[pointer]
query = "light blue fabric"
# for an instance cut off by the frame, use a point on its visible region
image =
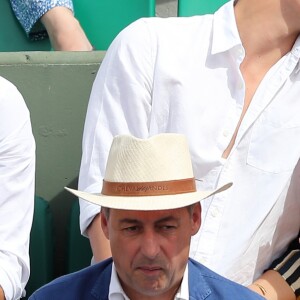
(28, 12)
(93, 283)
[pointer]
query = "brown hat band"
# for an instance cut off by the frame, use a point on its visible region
(153, 188)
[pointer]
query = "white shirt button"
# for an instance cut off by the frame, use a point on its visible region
(226, 133)
(203, 260)
(215, 212)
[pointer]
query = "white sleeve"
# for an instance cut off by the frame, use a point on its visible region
(120, 103)
(17, 173)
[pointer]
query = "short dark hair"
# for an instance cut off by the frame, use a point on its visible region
(105, 211)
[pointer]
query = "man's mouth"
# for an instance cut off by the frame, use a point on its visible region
(150, 270)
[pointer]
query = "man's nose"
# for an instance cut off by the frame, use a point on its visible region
(150, 244)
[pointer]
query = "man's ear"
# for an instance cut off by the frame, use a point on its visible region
(196, 218)
(104, 225)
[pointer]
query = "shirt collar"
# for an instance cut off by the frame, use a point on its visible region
(296, 52)
(183, 292)
(116, 291)
(226, 35)
(225, 32)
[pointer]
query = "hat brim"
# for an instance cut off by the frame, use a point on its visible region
(162, 202)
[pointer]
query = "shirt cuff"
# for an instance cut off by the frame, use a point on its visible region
(8, 287)
(88, 211)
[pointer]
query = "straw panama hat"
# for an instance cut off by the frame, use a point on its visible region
(148, 174)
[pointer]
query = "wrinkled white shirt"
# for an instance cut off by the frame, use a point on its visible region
(116, 291)
(183, 75)
(17, 173)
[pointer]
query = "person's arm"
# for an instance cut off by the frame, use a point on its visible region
(272, 286)
(55, 19)
(1, 294)
(17, 174)
(64, 30)
(99, 243)
(282, 280)
(120, 103)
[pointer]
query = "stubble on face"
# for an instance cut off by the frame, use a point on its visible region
(157, 272)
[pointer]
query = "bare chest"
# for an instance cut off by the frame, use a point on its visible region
(252, 80)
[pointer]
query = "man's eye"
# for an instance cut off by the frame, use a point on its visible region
(168, 227)
(131, 229)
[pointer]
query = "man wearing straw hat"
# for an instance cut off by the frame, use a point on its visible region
(151, 210)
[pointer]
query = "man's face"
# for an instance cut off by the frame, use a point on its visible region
(150, 248)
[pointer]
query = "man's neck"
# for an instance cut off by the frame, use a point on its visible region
(266, 27)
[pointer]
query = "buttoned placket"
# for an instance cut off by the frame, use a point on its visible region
(263, 96)
(215, 205)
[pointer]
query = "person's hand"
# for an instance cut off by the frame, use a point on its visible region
(64, 30)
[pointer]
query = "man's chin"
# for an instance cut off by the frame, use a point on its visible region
(151, 282)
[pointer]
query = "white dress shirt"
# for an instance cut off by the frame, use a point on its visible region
(183, 75)
(116, 291)
(17, 173)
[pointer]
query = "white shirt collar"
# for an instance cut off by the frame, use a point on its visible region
(116, 291)
(225, 32)
(296, 52)
(183, 292)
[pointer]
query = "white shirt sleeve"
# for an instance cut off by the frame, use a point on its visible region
(120, 103)
(17, 173)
